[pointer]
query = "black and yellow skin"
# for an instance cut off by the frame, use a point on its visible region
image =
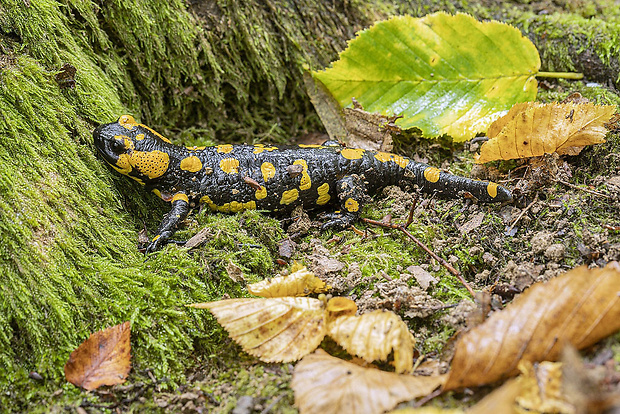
(231, 178)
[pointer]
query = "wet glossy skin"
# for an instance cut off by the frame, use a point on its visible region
(231, 178)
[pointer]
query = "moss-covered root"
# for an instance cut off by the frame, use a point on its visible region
(573, 43)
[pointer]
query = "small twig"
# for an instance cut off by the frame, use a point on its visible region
(582, 189)
(443, 262)
(525, 210)
(426, 399)
(411, 211)
(270, 406)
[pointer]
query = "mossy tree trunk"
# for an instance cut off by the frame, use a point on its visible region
(206, 71)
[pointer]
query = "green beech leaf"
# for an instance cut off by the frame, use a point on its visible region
(445, 74)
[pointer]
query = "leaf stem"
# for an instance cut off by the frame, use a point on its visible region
(562, 75)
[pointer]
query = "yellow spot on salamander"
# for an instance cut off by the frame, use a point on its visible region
(230, 165)
(324, 196)
(258, 148)
(123, 164)
(195, 148)
(304, 183)
(431, 174)
(179, 196)
(153, 164)
(289, 196)
(492, 189)
(260, 194)
(352, 153)
(156, 237)
(386, 156)
(351, 205)
(310, 146)
(157, 193)
(139, 137)
(224, 149)
(232, 207)
(191, 164)
(127, 121)
(268, 170)
(383, 156)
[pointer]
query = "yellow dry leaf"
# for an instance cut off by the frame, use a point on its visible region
(531, 129)
(373, 336)
(275, 329)
(299, 283)
(541, 388)
(339, 306)
(324, 384)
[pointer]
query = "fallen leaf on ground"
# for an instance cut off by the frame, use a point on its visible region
(501, 400)
(103, 359)
(324, 384)
(531, 129)
(580, 307)
(274, 329)
(338, 307)
(541, 388)
(373, 336)
(299, 283)
(444, 74)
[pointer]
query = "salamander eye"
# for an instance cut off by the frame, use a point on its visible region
(117, 146)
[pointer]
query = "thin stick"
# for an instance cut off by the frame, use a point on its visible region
(443, 262)
(582, 189)
(525, 210)
(563, 75)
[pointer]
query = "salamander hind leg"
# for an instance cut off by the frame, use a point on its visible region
(351, 193)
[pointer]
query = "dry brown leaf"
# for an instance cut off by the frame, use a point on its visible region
(580, 307)
(103, 359)
(373, 336)
(299, 283)
(275, 329)
(324, 384)
(500, 401)
(531, 129)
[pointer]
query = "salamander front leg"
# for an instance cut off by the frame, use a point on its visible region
(351, 193)
(180, 208)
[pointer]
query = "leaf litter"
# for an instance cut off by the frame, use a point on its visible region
(102, 359)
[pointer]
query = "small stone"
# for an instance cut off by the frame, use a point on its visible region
(244, 405)
(488, 258)
(541, 241)
(555, 252)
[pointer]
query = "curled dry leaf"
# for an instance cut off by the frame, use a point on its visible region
(373, 336)
(103, 359)
(580, 307)
(531, 129)
(324, 384)
(275, 329)
(339, 306)
(541, 388)
(299, 283)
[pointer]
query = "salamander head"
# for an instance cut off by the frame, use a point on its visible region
(133, 149)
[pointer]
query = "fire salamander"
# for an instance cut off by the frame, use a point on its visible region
(231, 178)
